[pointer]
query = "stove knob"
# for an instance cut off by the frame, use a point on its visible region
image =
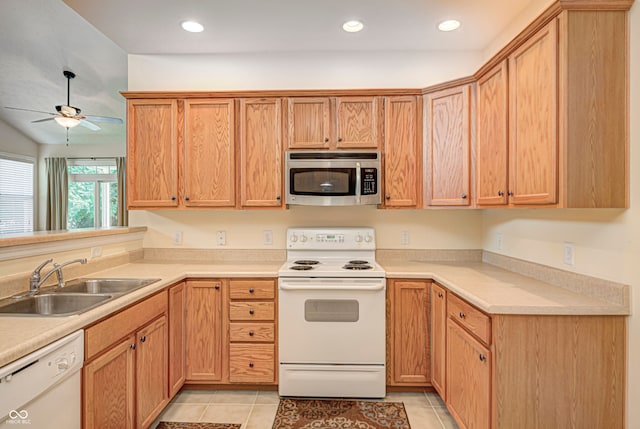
(358, 238)
(294, 238)
(303, 239)
(368, 238)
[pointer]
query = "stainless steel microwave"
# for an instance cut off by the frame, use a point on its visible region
(333, 178)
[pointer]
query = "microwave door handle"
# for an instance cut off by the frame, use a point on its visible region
(358, 179)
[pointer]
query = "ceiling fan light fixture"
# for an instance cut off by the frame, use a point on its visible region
(449, 25)
(67, 122)
(192, 26)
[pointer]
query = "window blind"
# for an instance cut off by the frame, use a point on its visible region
(16, 196)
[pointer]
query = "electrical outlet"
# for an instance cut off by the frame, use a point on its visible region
(267, 235)
(499, 241)
(569, 257)
(96, 252)
(221, 238)
(177, 238)
(404, 237)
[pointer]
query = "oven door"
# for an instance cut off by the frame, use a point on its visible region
(331, 321)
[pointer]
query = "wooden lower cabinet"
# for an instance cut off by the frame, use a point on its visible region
(408, 332)
(438, 338)
(126, 371)
(251, 363)
(177, 337)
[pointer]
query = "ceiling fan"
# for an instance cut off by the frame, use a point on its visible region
(69, 116)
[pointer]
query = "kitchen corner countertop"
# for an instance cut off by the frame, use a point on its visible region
(492, 289)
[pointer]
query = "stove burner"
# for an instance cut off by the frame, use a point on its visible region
(306, 262)
(358, 262)
(301, 267)
(352, 266)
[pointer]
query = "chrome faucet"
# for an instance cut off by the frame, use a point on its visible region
(35, 281)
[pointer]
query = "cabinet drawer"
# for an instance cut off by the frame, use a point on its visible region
(251, 310)
(472, 319)
(103, 334)
(252, 363)
(252, 332)
(252, 289)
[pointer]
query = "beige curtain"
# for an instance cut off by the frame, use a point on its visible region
(123, 214)
(57, 193)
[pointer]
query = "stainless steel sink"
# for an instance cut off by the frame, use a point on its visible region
(53, 304)
(106, 285)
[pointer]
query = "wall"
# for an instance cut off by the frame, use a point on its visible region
(607, 242)
(14, 142)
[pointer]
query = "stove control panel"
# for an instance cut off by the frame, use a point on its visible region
(331, 238)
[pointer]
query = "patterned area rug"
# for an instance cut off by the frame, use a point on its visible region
(339, 414)
(178, 425)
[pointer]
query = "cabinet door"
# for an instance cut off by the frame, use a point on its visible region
(533, 140)
(151, 371)
(409, 323)
(309, 123)
(492, 139)
(261, 152)
(402, 155)
(204, 330)
(438, 339)
(448, 146)
(177, 343)
(209, 153)
(152, 149)
(468, 379)
(357, 122)
(109, 388)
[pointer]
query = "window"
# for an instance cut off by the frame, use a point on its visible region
(93, 193)
(16, 194)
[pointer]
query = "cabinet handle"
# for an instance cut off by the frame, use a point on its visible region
(387, 197)
(500, 193)
(217, 286)
(132, 346)
(250, 290)
(251, 333)
(251, 311)
(482, 358)
(143, 338)
(463, 196)
(326, 139)
(462, 315)
(440, 295)
(250, 364)
(339, 139)
(186, 198)
(173, 197)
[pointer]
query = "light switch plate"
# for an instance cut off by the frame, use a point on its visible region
(569, 257)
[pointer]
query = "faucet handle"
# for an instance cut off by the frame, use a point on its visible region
(41, 266)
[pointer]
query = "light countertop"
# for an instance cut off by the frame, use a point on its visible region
(491, 289)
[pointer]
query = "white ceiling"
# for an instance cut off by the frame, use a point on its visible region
(40, 38)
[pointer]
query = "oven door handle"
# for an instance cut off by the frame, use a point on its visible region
(358, 180)
(372, 287)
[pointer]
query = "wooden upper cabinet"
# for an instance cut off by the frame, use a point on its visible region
(533, 88)
(448, 142)
(491, 137)
(309, 123)
(357, 121)
(152, 162)
(261, 152)
(402, 152)
(209, 153)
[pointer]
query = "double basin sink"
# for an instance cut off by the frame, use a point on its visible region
(76, 297)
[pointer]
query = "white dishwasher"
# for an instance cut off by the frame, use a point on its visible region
(42, 390)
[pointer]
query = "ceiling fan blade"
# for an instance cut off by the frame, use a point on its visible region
(104, 119)
(42, 120)
(89, 125)
(29, 110)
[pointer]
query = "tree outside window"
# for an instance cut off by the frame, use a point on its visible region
(93, 193)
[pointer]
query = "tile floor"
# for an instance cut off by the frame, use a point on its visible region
(256, 410)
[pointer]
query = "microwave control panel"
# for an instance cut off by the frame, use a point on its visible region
(369, 178)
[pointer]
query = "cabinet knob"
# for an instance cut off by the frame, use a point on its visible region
(440, 295)
(132, 346)
(217, 286)
(251, 311)
(250, 364)
(143, 338)
(482, 358)
(251, 333)
(339, 139)
(500, 193)
(510, 193)
(326, 139)
(173, 197)
(462, 315)
(251, 290)
(463, 196)
(186, 198)
(387, 197)
(278, 197)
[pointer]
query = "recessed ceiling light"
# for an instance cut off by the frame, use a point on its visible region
(352, 26)
(449, 25)
(192, 26)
